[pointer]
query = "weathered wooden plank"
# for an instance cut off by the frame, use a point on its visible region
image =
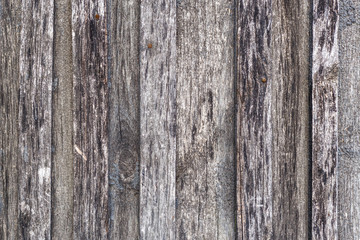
(205, 168)
(36, 75)
(272, 119)
(124, 133)
(10, 16)
(90, 119)
(349, 125)
(158, 119)
(324, 119)
(62, 125)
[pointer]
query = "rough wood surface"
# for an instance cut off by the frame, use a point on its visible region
(36, 75)
(324, 119)
(124, 112)
(349, 121)
(62, 126)
(205, 168)
(10, 16)
(90, 119)
(272, 119)
(158, 119)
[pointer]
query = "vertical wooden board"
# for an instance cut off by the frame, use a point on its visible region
(254, 127)
(324, 119)
(124, 130)
(90, 119)
(10, 17)
(62, 125)
(290, 118)
(158, 119)
(349, 120)
(36, 75)
(205, 168)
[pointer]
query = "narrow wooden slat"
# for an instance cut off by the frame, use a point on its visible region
(10, 16)
(349, 121)
(324, 119)
(158, 119)
(62, 125)
(205, 168)
(36, 75)
(124, 130)
(90, 119)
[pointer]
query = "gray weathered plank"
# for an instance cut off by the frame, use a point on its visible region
(62, 125)
(272, 119)
(158, 119)
(90, 119)
(124, 130)
(324, 119)
(349, 121)
(36, 75)
(205, 168)
(10, 16)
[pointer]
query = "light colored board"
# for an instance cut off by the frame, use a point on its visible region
(36, 75)
(158, 119)
(324, 119)
(349, 117)
(62, 125)
(205, 168)
(89, 41)
(10, 16)
(124, 130)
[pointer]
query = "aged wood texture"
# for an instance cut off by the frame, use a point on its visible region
(90, 119)
(158, 119)
(62, 125)
(10, 16)
(124, 112)
(272, 119)
(324, 119)
(205, 168)
(349, 121)
(36, 75)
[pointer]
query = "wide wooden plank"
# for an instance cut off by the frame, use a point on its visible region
(205, 168)
(90, 119)
(10, 17)
(62, 125)
(158, 119)
(349, 121)
(272, 119)
(324, 119)
(36, 75)
(124, 113)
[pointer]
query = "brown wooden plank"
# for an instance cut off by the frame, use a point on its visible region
(158, 119)
(10, 16)
(90, 119)
(348, 117)
(272, 119)
(36, 75)
(124, 113)
(62, 125)
(324, 119)
(205, 168)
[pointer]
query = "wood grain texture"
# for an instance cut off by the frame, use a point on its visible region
(124, 112)
(349, 117)
(10, 16)
(272, 119)
(205, 168)
(158, 119)
(36, 75)
(324, 119)
(62, 125)
(90, 119)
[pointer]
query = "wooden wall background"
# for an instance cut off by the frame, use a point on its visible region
(211, 119)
